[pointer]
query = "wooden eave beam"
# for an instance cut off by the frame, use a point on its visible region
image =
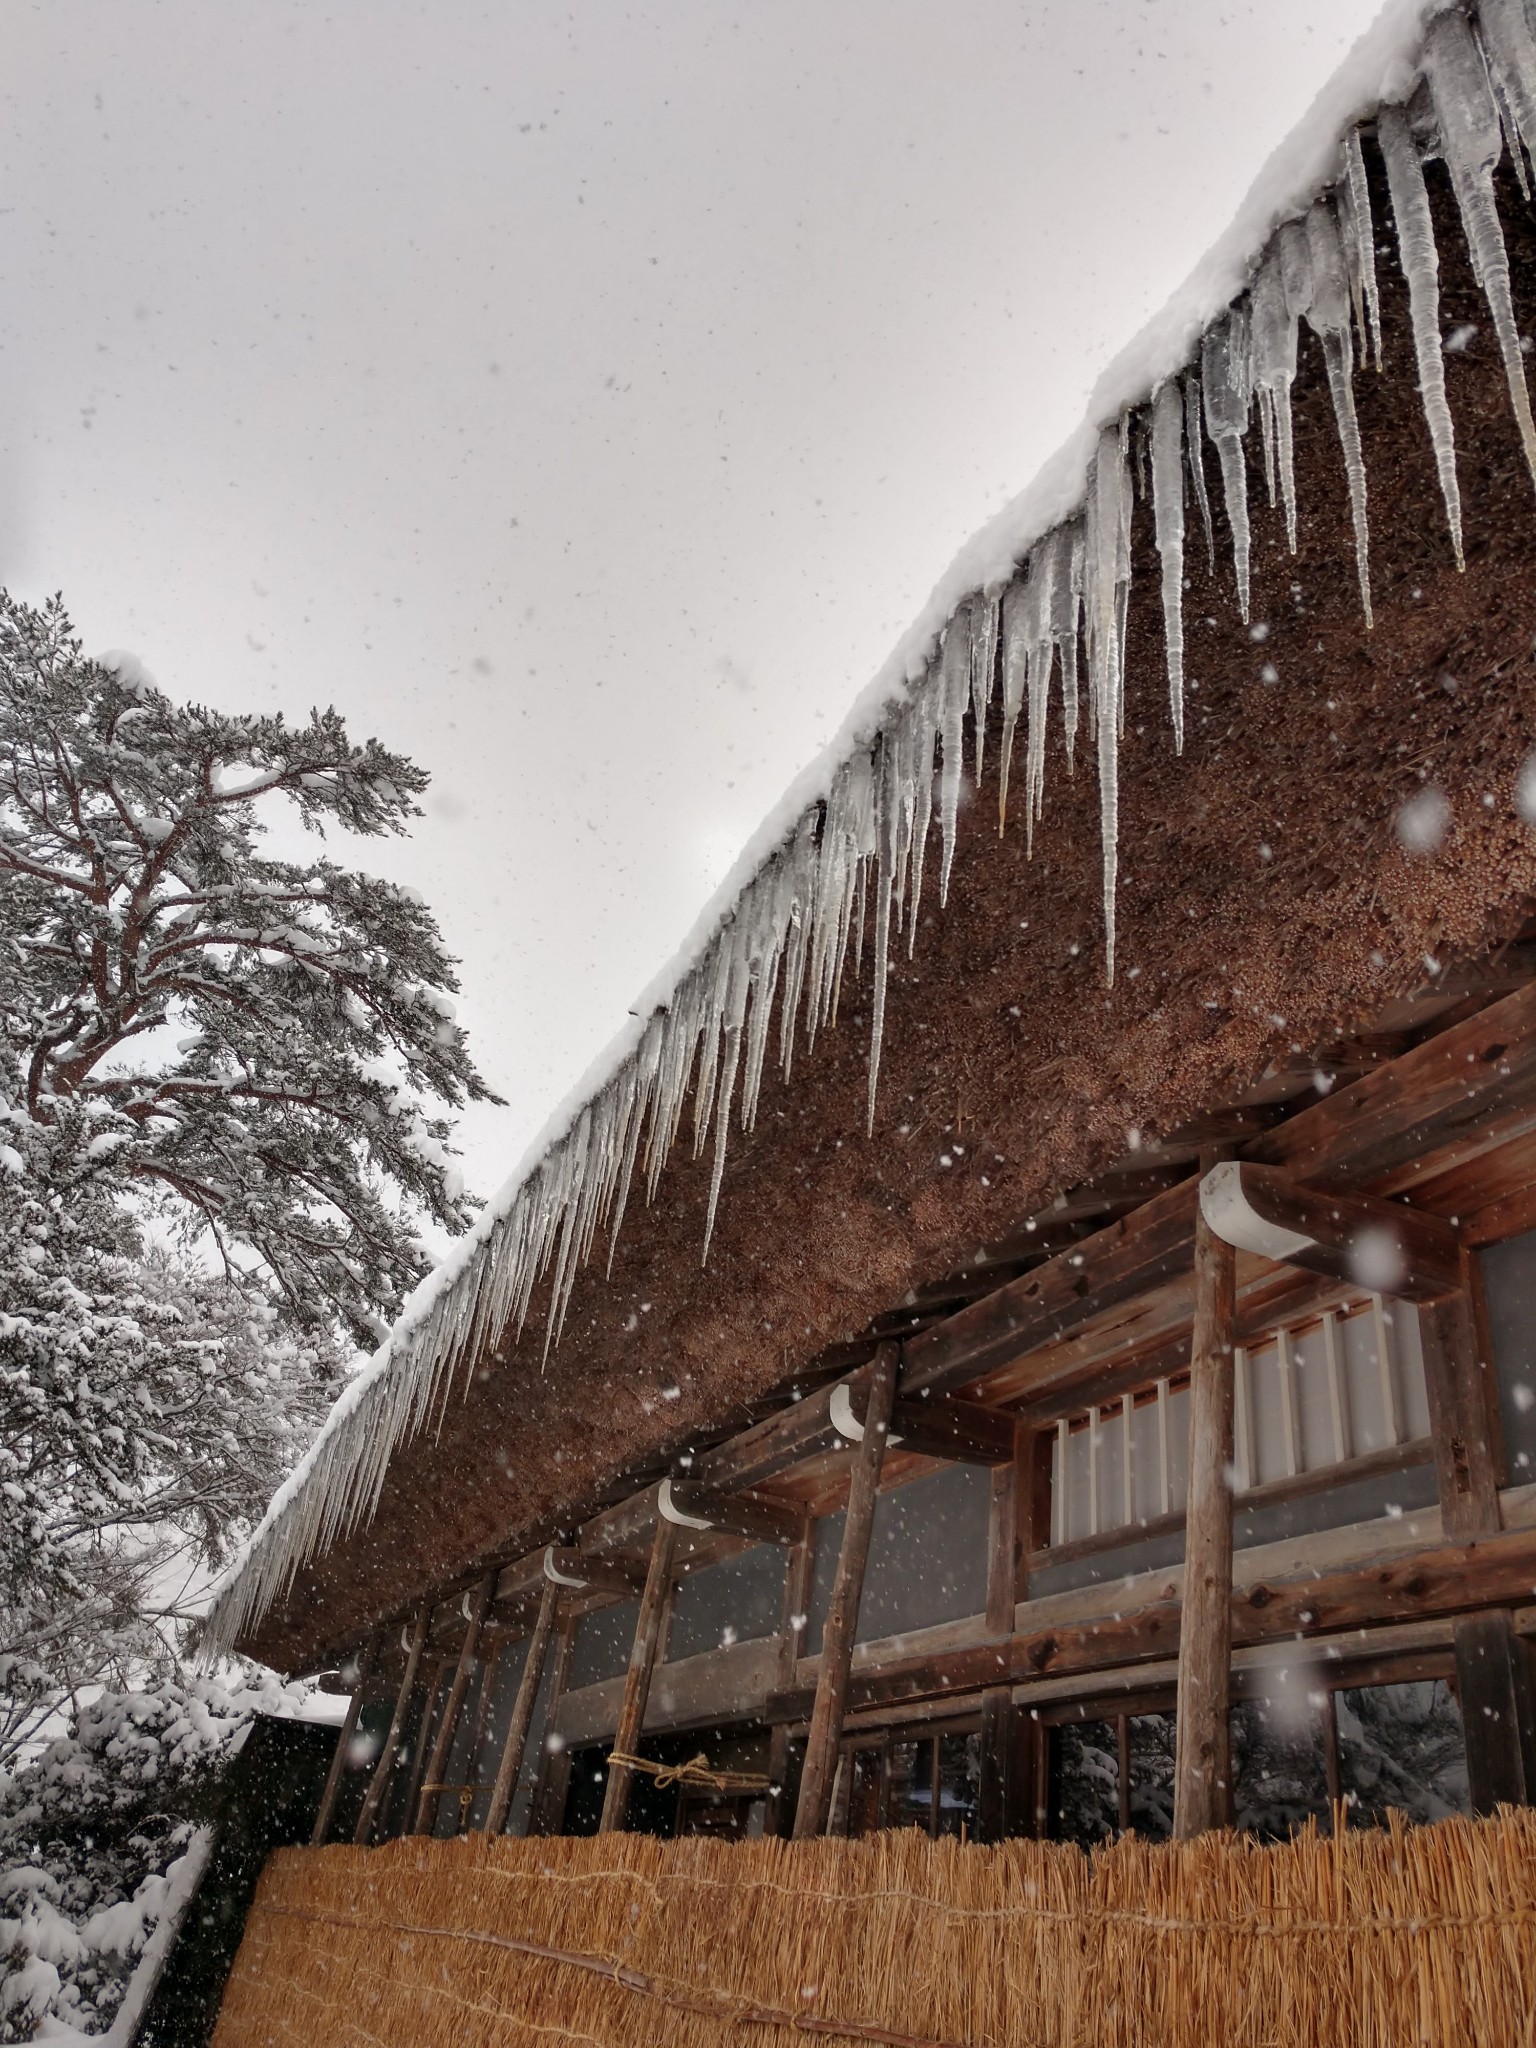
(944, 1426)
(1262, 1210)
(1113, 1266)
(741, 1514)
(580, 1571)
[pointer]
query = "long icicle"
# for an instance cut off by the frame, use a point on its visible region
(1363, 241)
(1421, 267)
(1224, 381)
(1168, 516)
(1473, 142)
(1328, 314)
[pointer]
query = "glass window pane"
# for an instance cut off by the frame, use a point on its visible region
(1152, 1749)
(927, 1553)
(503, 1674)
(864, 1792)
(959, 1784)
(738, 1600)
(1509, 1282)
(604, 1639)
(1401, 1746)
(911, 1788)
(1279, 1765)
(1085, 1778)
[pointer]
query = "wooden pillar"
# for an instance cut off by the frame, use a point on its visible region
(546, 1809)
(512, 1749)
(453, 1706)
(1017, 1512)
(1201, 1768)
(429, 1718)
(655, 1605)
(378, 1784)
(1493, 1681)
(345, 1733)
(798, 1577)
(1458, 1381)
(843, 1615)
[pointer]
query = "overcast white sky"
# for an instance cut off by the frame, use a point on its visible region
(581, 398)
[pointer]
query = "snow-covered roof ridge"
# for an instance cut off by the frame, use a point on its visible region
(1039, 593)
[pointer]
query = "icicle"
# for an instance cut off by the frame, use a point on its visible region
(1362, 244)
(1511, 47)
(1106, 572)
(1193, 439)
(1224, 379)
(1280, 293)
(887, 853)
(1065, 629)
(1328, 316)
(924, 733)
(1015, 633)
(1421, 267)
(984, 612)
(955, 682)
(1472, 141)
(1168, 514)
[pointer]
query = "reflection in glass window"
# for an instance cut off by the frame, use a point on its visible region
(1401, 1746)
(1086, 1782)
(959, 1785)
(911, 1785)
(1279, 1763)
(1151, 1784)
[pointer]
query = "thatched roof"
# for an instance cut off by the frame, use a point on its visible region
(1264, 902)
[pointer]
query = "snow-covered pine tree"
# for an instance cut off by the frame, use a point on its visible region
(224, 1079)
(256, 1040)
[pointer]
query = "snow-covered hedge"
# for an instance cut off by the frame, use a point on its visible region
(91, 1836)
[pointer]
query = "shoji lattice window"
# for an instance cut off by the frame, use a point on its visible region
(1341, 1387)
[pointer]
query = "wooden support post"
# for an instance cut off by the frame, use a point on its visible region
(378, 1784)
(1493, 1679)
(546, 1809)
(801, 1566)
(429, 1718)
(1201, 1768)
(1458, 1381)
(655, 1606)
(512, 1749)
(442, 1743)
(843, 1615)
(1020, 1509)
(344, 1735)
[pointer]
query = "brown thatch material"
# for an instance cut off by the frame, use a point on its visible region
(1380, 1937)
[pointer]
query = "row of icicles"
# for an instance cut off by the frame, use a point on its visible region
(807, 910)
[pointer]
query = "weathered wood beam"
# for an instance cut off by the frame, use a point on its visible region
(770, 1447)
(944, 1426)
(798, 1577)
(551, 1787)
(1445, 1580)
(378, 1784)
(1493, 1682)
(579, 1571)
(742, 1514)
(1202, 1774)
(1113, 1266)
(509, 1768)
(344, 1735)
(1459, 1382)
(425, 1818)
(1389, 1120)
(1020, 1506)
(1384, 1246)
(842, 1621)
(655, 1603)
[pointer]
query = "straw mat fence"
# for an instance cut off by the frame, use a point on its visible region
(1376, 1939)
